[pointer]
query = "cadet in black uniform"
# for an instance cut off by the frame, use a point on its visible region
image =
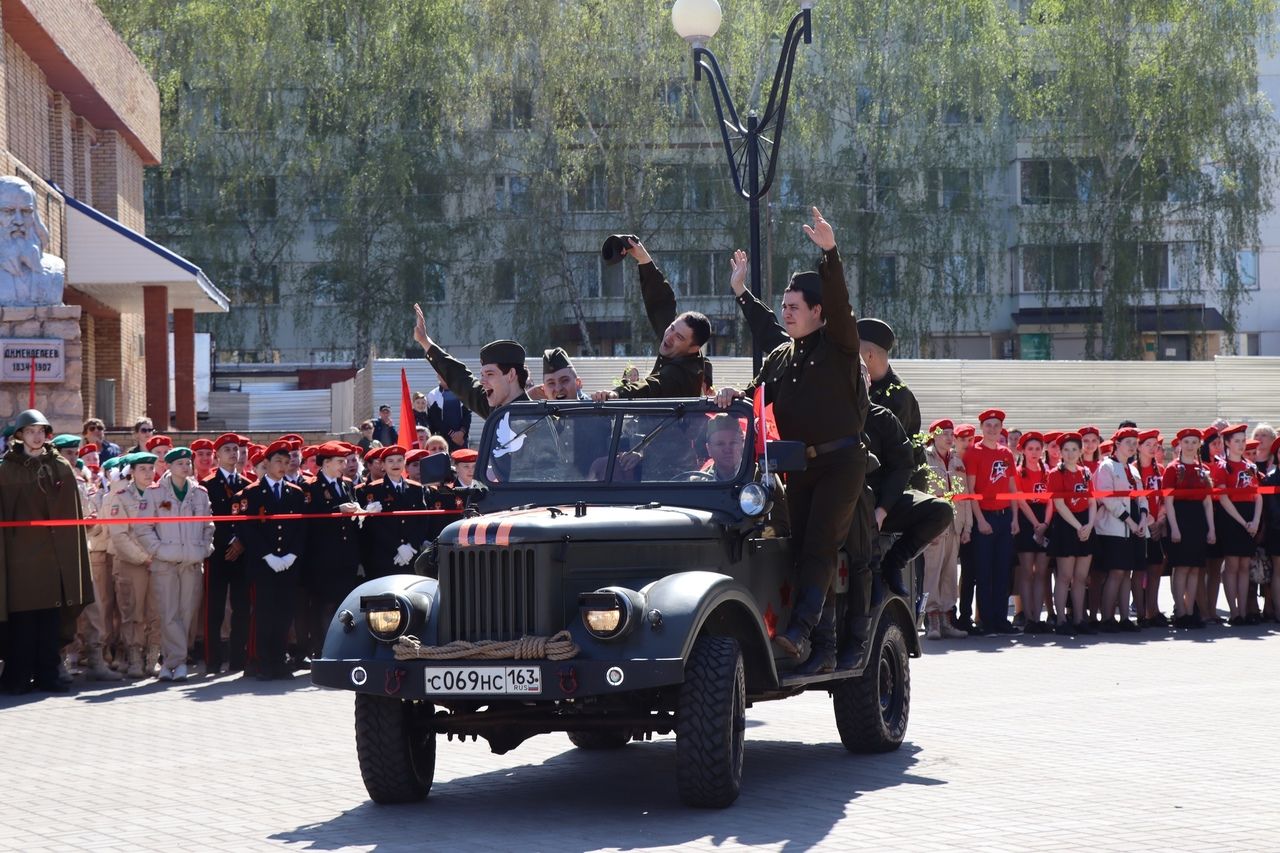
(227, 566)
(877, 339)
(272, 550)
(333, 546)
(818, 397)
(393, 540)
(679, 369)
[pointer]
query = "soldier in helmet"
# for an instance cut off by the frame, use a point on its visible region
(45, 578)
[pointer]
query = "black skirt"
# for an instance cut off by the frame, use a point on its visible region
(1155, 551)
(1024, 542)
(1114, 554)
(1193, 550)
(1063, 539)
(1233, 538)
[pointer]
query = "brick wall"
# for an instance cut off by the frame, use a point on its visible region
(129, 207)
(26, 108)
(61, 120)
(104, 173)
(89, 370)
(131, 392)
(83, 137)
(106, 363)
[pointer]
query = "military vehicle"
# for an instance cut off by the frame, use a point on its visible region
(652, 576)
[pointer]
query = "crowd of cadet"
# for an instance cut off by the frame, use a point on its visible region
(1086, 557)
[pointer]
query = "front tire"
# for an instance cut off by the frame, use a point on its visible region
(397, 752)
(710, 724)
(872, 710)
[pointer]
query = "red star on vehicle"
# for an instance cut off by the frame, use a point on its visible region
(770, 621)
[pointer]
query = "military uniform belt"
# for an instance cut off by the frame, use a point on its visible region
(815, 450)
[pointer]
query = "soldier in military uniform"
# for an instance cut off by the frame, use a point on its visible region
(502, 371)
(227, 573)
(818, 398)
(888, 390)
(272, 549)
(590, 436)
(680, 367)
(392, 541)
(333, 547)
(560, 379)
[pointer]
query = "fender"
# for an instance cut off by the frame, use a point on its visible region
(688, 603)
(895, 609)
(341, 643)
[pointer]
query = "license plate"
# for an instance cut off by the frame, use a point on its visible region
(464, 680)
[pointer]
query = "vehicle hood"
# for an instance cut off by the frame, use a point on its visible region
(597, 523)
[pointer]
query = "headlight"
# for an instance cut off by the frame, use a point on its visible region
(753, 499)
(393, 615)
(609, 613)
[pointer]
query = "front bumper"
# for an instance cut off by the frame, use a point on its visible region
(568, 679)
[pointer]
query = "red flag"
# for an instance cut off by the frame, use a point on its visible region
(766, 429)
(408, 426)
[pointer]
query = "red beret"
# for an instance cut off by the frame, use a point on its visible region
(941, 424)
(157, 440)
(465, 454)
(330, 450)
(1089, 430)
(1233, 430)
(394, 450)
(1028, 437)
(1067, 437)
(202, 444)
(276, 447)
(350, 448)
(965, 431)
(1148, 434)
(256, 455)
(1122, 434)
(1004, 433)
(989, 414)
(1275, 445)
(225, 439)
(1106, 447)
(1251, 444)
(1187, 431)
(373, 453)
(415, 454)
(1053, 438)
(293, 437)
(309, 451)
(87, 449)
(1208, 434)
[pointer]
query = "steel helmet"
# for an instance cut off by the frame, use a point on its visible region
(32, 417)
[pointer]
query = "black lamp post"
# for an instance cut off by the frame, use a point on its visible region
(752, 147)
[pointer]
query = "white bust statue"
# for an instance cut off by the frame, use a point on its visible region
(28, 276)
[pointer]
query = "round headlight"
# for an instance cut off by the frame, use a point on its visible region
(391, 616)
(610, 612)
(385, 621)
(753, 499)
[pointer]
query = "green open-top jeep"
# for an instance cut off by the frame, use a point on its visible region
(612, 580)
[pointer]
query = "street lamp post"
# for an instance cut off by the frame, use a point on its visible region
(751, 147)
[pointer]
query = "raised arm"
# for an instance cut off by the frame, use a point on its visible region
(842, 326)
(766, 331)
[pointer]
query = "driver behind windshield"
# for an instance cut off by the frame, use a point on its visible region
(725, 440)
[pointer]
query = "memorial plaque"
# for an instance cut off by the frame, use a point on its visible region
(16, 355)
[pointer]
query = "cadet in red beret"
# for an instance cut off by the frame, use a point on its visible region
(411, 460)
(990, 471)
(1052, 453)
(1146, 585)
(1091, 440)
(1070, 534)
(464, 465)
(333, 549)
(202, 454)
(391, 542)
(1237, 519)
(1191, 525)
(1033, 525)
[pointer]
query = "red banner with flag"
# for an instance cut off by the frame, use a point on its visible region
(766, 429)
(408, 426)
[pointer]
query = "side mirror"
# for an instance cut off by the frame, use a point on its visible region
(785, 456)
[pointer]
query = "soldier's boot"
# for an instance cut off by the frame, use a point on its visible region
(134, 657)
(97, 669)
(891, 574)
(804, 617)
(822, 643)
(933, 622)
(857, 621)
(152, 666)
(950, 631)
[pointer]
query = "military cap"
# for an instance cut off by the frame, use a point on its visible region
(808, 281)
(256, 455)
(158, 440)
(66, 440)
(202, 444)
(332, 450)
(987, 415)
(723, 423)
(502, 352)
(1186, 432)
(465, 454)
(1208, 434)
(1149, 434)
(1227, 432)
(1089, 430)
(1252, 444)
(1106, 447)
(309, 451)
(1067, 437)
(1028, 437)
(373, 453)
(416, 455)
(965, 431)
(1052, 437)
(876, 332)
(178, 453)
(113, 462)
(225, 439)
(87, 449)
(1275, 445)
(277, 447)
(394, 450)
(940, 425)
(554, 360)
(141, 457)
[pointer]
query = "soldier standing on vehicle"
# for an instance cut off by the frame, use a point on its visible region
(887, 389)
(680, 367)
(818, 398)
(502, 371)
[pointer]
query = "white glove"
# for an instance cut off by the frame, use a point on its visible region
(289, 560)
(406, 554)
(398, 561)
(276, 564)
(349, 508)
(373, 506)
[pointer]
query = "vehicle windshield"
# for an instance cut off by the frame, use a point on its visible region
(592, 444)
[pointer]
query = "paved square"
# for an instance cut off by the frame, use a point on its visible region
(1153, 741)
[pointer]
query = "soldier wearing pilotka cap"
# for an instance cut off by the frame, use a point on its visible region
(502, 371)
(559, 377)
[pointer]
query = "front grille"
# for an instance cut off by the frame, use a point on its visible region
(488, 594)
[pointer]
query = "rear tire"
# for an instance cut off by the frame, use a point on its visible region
(600, 739)
(397, 752)
(710, 724)
(872, 710)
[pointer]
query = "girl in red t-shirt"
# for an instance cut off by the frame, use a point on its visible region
(1191, 526)
(1033, 526)
(1070, 533)
(1238, 518)
(1090, 443)
(1146, 585)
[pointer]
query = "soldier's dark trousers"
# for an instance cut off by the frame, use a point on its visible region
(226, 576)
(273, 607)
(992, 556)
(32, 648)
(822, 500)
(920, 518)
(967, 581)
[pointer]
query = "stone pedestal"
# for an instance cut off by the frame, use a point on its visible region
(61, 402)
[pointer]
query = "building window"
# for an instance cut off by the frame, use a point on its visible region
(1059, 181)
(163, 193)
(948, 189)
(1185, 269)
(963, 274)
(510, 193)
(510, 279)
(422, 281)
(1246, 271)
(591, 192)
(429, 192)
(513, 111)
(256, 198)
(1064, 268)
(692, 273)
(258, 285)
(884, 275)
(321, 284)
